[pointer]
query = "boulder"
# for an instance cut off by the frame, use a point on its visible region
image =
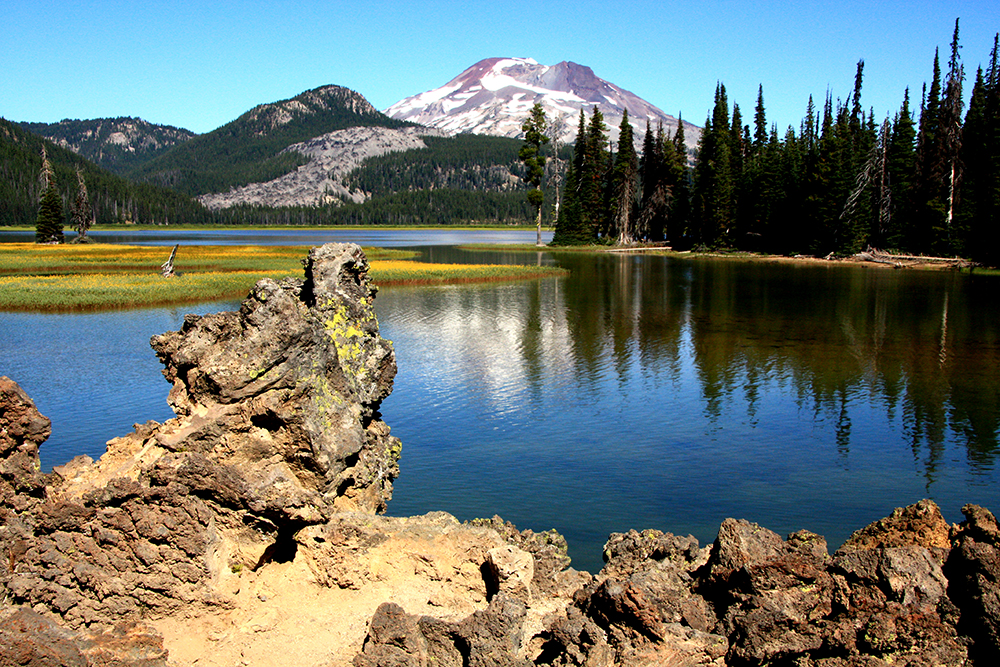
(30, 639)
(973, 570)
(22, 430)
(492, 637)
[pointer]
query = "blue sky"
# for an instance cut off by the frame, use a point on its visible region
(200, 64)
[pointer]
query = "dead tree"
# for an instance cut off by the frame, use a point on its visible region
(168, 266)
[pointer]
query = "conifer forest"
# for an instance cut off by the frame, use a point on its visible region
(926, 181)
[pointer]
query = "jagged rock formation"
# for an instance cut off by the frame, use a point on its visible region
(244, 531)
(277, 429)
(495, 95)
(331, 157)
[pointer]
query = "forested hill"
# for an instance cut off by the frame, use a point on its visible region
(115, 144)
(463, 162)
(467, 178)
(113, 198)
(249, 149)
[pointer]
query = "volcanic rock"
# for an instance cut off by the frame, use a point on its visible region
(246, 531)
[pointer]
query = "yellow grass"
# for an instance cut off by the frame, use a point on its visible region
(96, 277)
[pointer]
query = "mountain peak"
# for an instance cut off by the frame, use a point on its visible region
(495, 95)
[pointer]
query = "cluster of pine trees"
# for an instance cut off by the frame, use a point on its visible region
(841, 183)
(464, 162)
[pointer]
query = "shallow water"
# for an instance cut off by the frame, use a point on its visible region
(640, 392)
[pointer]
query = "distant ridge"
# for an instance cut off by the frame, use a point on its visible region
(250, 148)
(116, 144)
(494, 97)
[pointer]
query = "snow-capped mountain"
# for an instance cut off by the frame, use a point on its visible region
(495, 95)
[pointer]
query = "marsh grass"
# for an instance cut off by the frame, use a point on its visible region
(62, 278)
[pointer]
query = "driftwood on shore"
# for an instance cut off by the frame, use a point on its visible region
(903, 261)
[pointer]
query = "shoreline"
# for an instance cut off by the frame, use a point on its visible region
(248, 530)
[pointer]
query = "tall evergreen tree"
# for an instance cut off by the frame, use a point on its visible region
(593, 174)
(49, 223)
(624, 184)
(928, 211)
(902, 166)
(572, 226)
(534, 162)
(980, 202)
(679, 218)
(654, 189)
(83, 215)
(760, 134)
(713, 177)
(951, 140)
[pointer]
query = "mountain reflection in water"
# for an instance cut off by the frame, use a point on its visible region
(671, 393)
(639, 392)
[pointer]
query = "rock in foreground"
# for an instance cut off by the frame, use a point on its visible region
(245, 531)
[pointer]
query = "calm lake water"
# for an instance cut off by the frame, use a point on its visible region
(639, 392)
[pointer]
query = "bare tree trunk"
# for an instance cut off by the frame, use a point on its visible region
(168, 266)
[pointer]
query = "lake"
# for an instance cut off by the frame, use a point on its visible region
(639, 392)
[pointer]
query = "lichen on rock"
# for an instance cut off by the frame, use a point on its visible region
(275, 431)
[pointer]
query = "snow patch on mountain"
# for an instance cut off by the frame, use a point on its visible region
(495, 95)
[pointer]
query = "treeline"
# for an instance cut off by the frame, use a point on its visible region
(113, 200)
(464, 162)
(843, 182)
(446, 206)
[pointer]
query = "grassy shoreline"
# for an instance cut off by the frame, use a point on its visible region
(70, 278)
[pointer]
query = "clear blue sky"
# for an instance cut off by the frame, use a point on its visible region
(199, 64)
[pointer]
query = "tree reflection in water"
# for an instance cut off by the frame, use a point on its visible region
(651, 391)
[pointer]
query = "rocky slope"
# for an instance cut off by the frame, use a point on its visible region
(115, 144)
(252, 148)
(495, 95)
(244, 532)
(320, 181)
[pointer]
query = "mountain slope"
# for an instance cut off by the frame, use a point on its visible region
(250, 148)
(495, 95)
(115, 144)
(321, 180)
(113, 198)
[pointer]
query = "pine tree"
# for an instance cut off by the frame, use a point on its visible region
(760, 134)
(657, 160)
(624, 184)
(593, 174)
(928, 213)
(572, 227)
(951, 141)
(679, 218)
(713, 177)
(902, 166)
(534, 162)
(83, 216)
(650, 163)
(980, 203)
(49, 223)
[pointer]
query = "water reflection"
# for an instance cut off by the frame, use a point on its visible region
(637, 392)
(653, 391)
